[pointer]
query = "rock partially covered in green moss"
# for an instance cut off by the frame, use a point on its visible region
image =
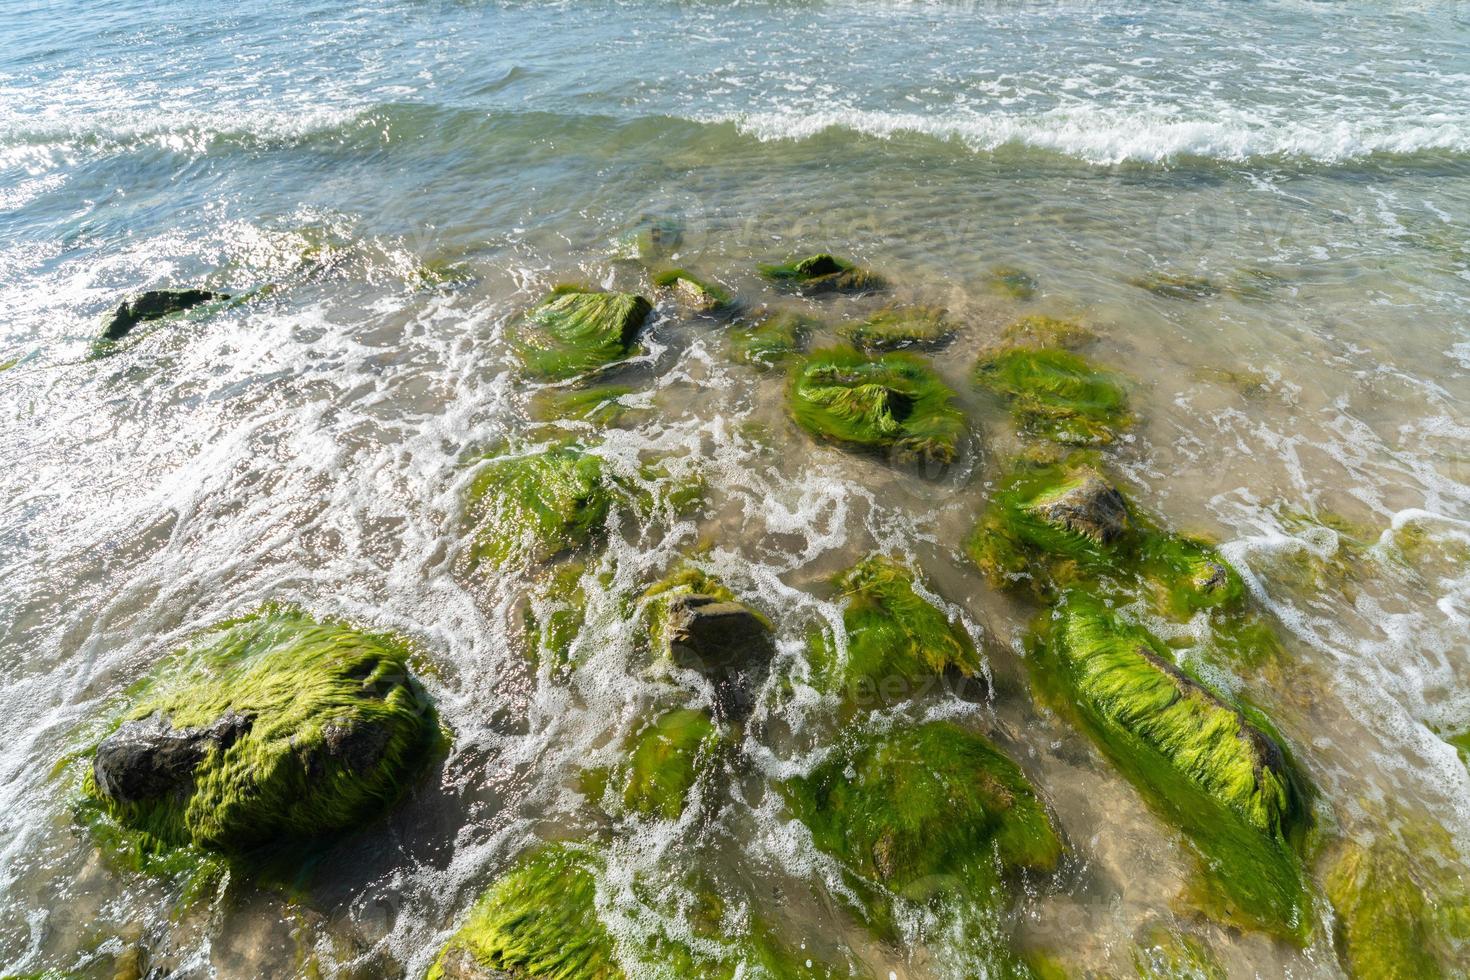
(698, 295)
(575, 329)
(1384, 926)
(1056, 394)
(1200, 759)
(822, 273)
(1007, 280)
(555, 615)
(893, 402)
(530, 508)
(897, 641)
(1164, 954)
(601, 404)
(539, 920)
(271, 728)
(925, 812)
(665, 761)
(1177, 285)
(895, 327)
(154, 305)
(773, 337)
(696, 623)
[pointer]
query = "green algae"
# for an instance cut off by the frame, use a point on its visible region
(895, 327)
(539, 920)
(530, 508)
(773, 338)
(653, 238)
(891, 402)
(1045, 332)
(1164, 954)
(896, 639)
(665, 761)
(822, 273)
(600, 404)
(337, 728)
(1384, 917)
(686, 580)
(1247, 382)
(1011, 282)
(1209, 766)
(575, 329)
(1177, 285)
(699, 295)
(555, 617)
(1056, 394)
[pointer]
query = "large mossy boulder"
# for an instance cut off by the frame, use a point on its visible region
(891, 403)
(696, 623)
(896, 327)
(528, 509)
(898, 643)
(823, 273)
(1056, 523)
(1385, 916)
(1204, 762)
(1053, 391)
(576, 329)
(271, 728)
(154, 304)
(932, 813)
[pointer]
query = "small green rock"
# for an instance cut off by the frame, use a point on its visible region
(1177, 285)
(1007, 280)
(774, 337)
(895, 327)
(527, 509)
(1384, 917)
(822, 273)
(575, 329)
(1056, 394)
(154, 305)
(699, 295)
(600, 404)
(665, 760)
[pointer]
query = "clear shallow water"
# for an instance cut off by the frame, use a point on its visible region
(310, 445)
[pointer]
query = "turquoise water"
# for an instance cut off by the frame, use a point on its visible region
(389, 184)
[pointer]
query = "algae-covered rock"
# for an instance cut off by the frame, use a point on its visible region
(539, 920)
(932, 811)
(654, 238)
(530, 508)
(698, 295)
(1197, 757)
(154, 304)
(773, 337)
(1384, 918)
(600, 404)
(822, 273)
(1164, 954)
(1046, 332)
(696, 623)
(575, 329)
(274, 727)
(893, 402)
(895, 327)
(1056, 394)
(665, 761)
(897, 641)
(1009, 281)
(1177, 285)
(555, 616)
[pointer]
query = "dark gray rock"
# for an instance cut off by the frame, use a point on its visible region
(149, 758)
(1091, 507)
(153, 305)
(724, 641)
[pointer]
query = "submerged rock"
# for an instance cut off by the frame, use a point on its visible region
(898, 643)
(1196, 757)
(893, 402)
(665, 761)
(1039, 332)
(531, 508)
(576, 329)
(895, 327)
(154, 305)
(1385, 924)
(823, 273)
(1007, 280)
(698, 295)
(275, 727)
(1056, 394)
(696, 623)
(1177, 285)
(601, 404)
(773, 337)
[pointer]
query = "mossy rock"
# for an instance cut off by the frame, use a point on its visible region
(539, 920)
(1056, 523)
(823, 273)
(1206, 764)
(576, 329)
(530, 508)
(600, 404)
(898, 642)
(1056, 394)
(154, 304)
(1161, 953)
(268, 729)
(665, 760)
(654, 238)
(1387, 926)
(1040, 332)
(932, 813)
(1011, 282)
(891, 403)
(896, 327)
(1177, 285)
(700, 296)
(773, 337)
(555, 617)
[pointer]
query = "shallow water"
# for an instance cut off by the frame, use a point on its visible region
(389, 184)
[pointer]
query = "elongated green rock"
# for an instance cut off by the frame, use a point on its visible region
(699, 295)
(271, 728)
(154, 304)
(822, 273)
(895, 327)
(538, 922)
(575, 329)
(530, 508)
(896, 639)
(1056, 394)
(890, 402)
(1196, 757)
(555, 616)
(773, 337)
